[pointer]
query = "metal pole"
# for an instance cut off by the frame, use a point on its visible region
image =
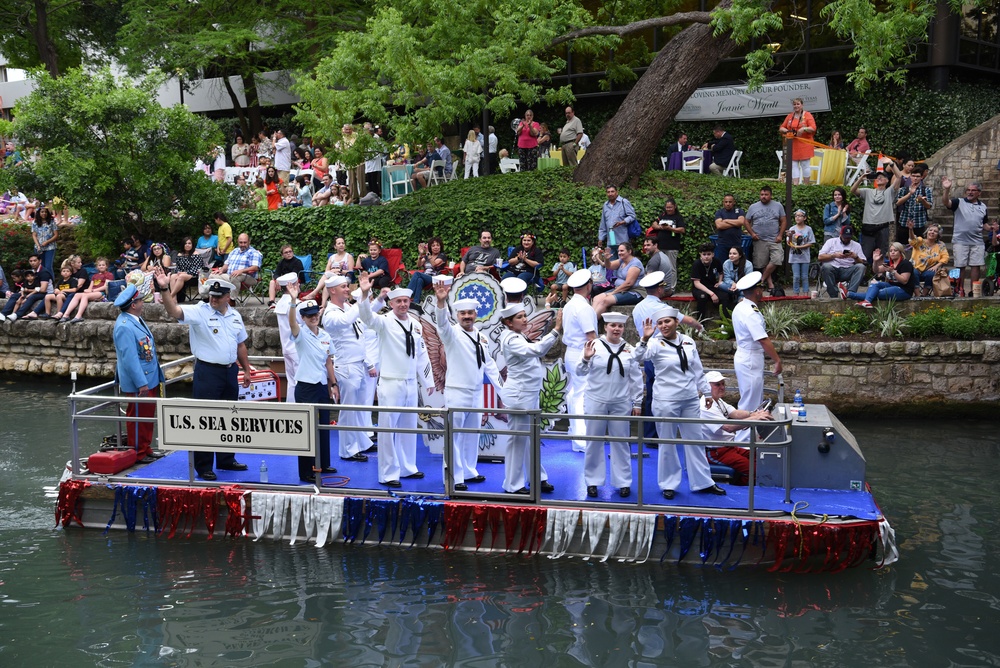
(449, 451)
(536, 450)
(752, 481)
(74, 434)
(641, 443)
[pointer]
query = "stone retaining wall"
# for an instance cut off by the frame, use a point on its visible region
(839, 373)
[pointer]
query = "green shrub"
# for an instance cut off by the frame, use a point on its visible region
(16, 245)
(811, 321)
(850, 322)
(964, 325)
(927, 323)
(989, 325)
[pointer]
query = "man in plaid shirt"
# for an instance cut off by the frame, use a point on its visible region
(913, 204)
(242, 265)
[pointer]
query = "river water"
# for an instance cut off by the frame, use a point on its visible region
(79, 598)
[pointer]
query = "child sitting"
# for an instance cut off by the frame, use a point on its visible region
(561, 272)
(65, 289)
(598, 274)
(96, 292)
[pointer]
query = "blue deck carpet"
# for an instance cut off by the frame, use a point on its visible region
(565, 469)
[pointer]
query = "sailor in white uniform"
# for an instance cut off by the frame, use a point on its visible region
(370, 338)
(465, 350)
(679, 378)
(405, 366)
(579, 326)
(340, 321)
(281, 309)
(613, 377)
(525, 373)
(752, 343)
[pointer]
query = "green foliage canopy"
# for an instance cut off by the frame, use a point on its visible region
(115, 154)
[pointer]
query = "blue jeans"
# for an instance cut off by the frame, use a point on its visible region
(800, 277)
(526, 276)
(418, 282)
(47, 259)
(926, 278)
(880, 291)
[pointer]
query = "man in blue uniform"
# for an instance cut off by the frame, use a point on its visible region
(217, 337)
(137, 370)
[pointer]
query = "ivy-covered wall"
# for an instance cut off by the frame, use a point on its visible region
(562, 213)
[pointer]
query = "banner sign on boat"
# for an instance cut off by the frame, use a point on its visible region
(771, 99)
(236, 426)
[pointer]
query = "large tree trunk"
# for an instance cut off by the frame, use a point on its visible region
(623, 148)
(40, 31)
(238, 108)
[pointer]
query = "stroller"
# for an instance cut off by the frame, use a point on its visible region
(991, 282)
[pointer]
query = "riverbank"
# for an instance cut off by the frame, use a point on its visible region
(871, 375)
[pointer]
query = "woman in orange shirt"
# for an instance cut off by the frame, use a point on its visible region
(272, 184)
(801, 124)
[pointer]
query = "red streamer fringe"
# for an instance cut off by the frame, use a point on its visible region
(456, 522)
(180, 507)
(483, 517)
(238, 523)
(820, 547)
(69, 497)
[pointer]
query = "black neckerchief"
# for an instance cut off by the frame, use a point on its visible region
(480, 353)
(680, 353)
(614, 356)
(411, 345)
(357, 330)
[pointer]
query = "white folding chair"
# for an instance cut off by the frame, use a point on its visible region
(856, 171)
(692, 161)
(734, 165)
(455, 165)
(816, 170)
(664, 159)
(398, 177)
(436, 175)
(508, 165)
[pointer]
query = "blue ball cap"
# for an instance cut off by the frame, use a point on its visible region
(126, 297)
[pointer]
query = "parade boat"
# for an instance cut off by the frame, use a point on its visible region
(810, 509)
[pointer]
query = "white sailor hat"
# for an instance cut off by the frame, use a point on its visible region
(287, 279)
(511, 310)
(610, 316)
(652, 280)
(467, 304)
(220, 288)
(400, 292)
(337, 280)
(714, 377)
(667, 312)
(751, 280)
(308, 307)
(579, 278)
(356, 294)
(513, 285)
(127, 296)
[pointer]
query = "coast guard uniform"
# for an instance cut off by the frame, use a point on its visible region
(214, 338)
(341, 322)
(579, 320)
(137, 368)
(312, 386)
(748, 325)
(613, 387)
(404, 366)
(679, 377)
(468, 363)
(525, 373)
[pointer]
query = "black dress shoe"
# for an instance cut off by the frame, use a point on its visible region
(329, 469)
(373, 448)
(418, 474)
(356, 458)
(592, 491)
(478, 478)
(235, 466)
(668, 494)
(461, 487)
(523, 490)
(158, 454)
(392, 483)
(547, 487)
(624, 492)
(149, 459)
(208, 475)
(308, 479)
(714, 489)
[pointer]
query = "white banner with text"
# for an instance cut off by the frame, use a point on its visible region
(771, 99)
(237, 426)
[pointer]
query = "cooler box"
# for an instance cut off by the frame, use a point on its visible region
(109, 462)
(264, 386)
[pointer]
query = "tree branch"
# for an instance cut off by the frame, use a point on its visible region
(638, 26)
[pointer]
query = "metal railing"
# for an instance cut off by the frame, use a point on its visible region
(779, 437)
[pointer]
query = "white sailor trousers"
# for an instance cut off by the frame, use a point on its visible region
(574, 397)
(750, 378)
(517, 459)
(351, 380)
(397, 453)
(668, 464)
(465, 447)
(594, 469)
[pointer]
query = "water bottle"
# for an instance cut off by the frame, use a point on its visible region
(802, 414)
(263, 471)
(797, 401)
